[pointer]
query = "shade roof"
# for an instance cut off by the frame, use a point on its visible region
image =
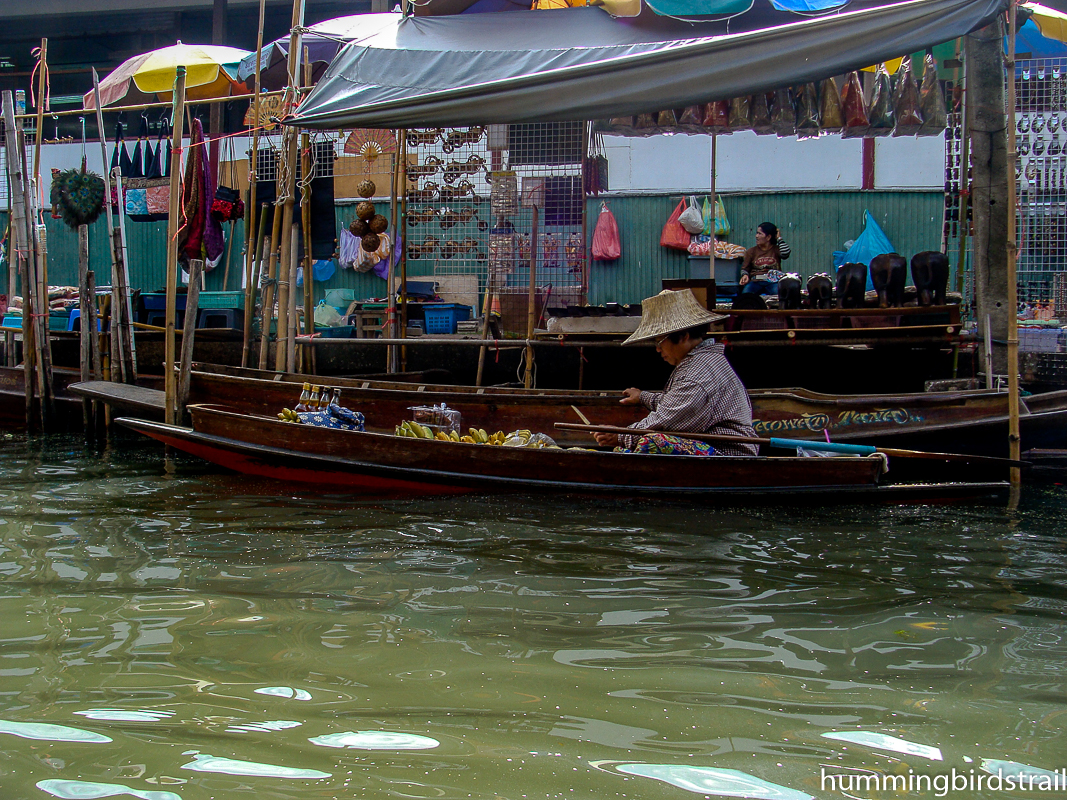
(580, 63)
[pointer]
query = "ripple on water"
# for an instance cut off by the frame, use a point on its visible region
(376, 740)
(715, 781)
(87, 790)
(882, 741)
(230, 766)
(50, 733)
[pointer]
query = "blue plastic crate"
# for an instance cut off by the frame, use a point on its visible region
(154, 301)
(442, 318)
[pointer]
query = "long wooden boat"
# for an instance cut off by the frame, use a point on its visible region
(387, 464)
(971, 421)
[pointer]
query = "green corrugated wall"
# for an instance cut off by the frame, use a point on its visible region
(814, 223)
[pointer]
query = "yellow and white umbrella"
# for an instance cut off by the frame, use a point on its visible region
(210, 71)
(1051, 23)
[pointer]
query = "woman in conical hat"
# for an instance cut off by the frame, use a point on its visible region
(703, 394)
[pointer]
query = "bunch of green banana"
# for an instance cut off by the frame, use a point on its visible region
(414, 430)
(288, 415)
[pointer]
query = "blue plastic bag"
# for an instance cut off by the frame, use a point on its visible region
(872, 242)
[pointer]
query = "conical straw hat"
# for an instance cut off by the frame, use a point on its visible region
(669, 312)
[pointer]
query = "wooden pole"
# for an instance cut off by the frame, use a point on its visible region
(42, 83)
(712, 200)
(251, 238)
(1014, 442)
(192, 302)
(287, 270)
(290, 336)
(86, 335)
(531, 306)
(41, 339)
(123, 311)
(117, 264)
(178, 110)
(285, 263)
(21, 240)
(305, 218)
(396, 189)
(268, 290)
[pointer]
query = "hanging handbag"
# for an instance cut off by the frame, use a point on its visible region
(228, 205)
(673, 234)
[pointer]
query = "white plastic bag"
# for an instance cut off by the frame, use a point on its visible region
(692, 219)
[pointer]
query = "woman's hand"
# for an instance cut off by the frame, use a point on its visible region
(607, 439)
(742, 280)
(631, 396)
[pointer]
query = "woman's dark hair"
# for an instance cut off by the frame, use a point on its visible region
(696, 332)
(771, 230)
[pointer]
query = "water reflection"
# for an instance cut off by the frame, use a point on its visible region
(320, 646)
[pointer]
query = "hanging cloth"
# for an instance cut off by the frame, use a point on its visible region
(164, 146)
(193, 216)
(214, 240)
(137, 160)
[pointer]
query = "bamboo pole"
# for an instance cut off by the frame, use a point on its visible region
(1014, 443)
(178, 109)
(192, 302)
(21, 240)
(305, 218)
(42, 267)
(285, 256)
(291, 331)
(121, 289)
(40, 323)
(267, 314)
(287, 269)
(86, 335)
(118, 264)
(251, 238)
(531, 306)
(403, 147)
(396, 189)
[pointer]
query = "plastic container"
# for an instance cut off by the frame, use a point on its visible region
(220, 300)
(57, 321)
(442, 318)
(437, 418)
(340, 298)
(158, 301)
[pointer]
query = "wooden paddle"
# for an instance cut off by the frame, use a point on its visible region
(788, 444)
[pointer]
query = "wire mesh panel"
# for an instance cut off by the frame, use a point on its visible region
(957, 181)
(1041, 172)
(468, 213)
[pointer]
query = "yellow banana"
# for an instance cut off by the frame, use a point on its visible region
(467, 439)
(453, 435)
(442, 436)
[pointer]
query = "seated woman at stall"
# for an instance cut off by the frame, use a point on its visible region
(703, 395)
(762, 266)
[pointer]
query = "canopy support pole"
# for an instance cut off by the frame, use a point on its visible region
(251, 242)
(1014, 444)
(169, 377)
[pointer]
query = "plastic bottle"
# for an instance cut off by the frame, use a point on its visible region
(316, 399)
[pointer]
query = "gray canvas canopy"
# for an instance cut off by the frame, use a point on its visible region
(578, 64)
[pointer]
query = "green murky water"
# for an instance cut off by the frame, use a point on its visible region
(195, 634)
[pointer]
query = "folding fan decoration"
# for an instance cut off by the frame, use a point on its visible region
(370, 143)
